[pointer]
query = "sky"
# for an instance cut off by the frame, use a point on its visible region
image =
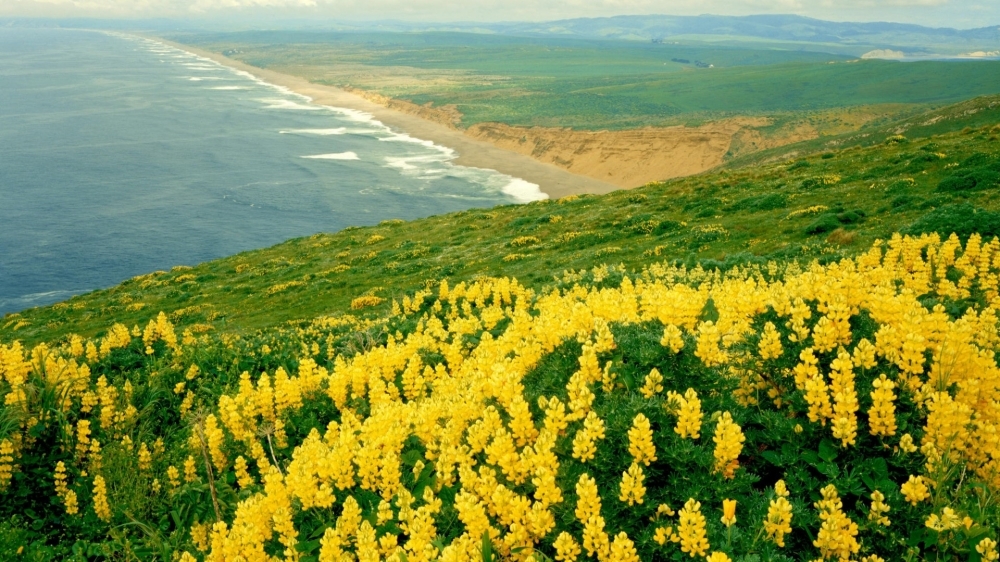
(962, 14)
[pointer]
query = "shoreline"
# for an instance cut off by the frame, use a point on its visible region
(553, 181)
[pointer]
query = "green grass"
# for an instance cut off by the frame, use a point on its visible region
(600, 84)
(757, 213)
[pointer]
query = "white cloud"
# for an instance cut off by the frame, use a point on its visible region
(956, 13)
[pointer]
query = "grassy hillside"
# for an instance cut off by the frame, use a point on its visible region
(773, 412)
(823, 206)
(983, 111)
(598, 84)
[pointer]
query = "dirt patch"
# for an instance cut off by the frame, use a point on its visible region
(624, 158)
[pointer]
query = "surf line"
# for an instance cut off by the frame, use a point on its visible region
(519, 189)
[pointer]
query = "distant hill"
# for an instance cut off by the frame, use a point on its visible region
(857, 37)
(782, 30)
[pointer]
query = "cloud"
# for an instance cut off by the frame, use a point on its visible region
(956, 13)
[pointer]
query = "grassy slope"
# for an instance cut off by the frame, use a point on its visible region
(602, 84)
(974, 113)
(726, 216)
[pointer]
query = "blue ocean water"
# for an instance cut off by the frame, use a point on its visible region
(120, 155)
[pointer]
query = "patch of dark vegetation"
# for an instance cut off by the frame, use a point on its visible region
(962, 219)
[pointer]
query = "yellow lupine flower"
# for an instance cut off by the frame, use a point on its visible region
(779, 520)
(190, 469)
(640, 441)
(585, 440)
(987, 549)
(623, 549)
(101, 507)
(947, 521)
(567, 549)
(653, 384)
(691, 529)
(879, 509)
(915, 489)
(770, 343)
(632, 489)
(882, 414)
(837, 534)
(728, 441)
(689, 414)
(672, 338)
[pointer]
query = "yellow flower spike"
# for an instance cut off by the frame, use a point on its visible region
(190, 469)
(663, 534)
(837, 534)
(623, 549)
(101, 507)
(728, 512)
(567, 549)
(778, 522)
(689, 414)
(987, 549)
(584, 442)
(882, 414)
(632, 489)
(718, 557)
(691, 529)
(173, 476)
(640, 441)
(770, 343)
(915, 489)
(672, 338)
(728, 441)
(653, 384)
(878, 510)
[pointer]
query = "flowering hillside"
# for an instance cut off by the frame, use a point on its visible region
(846, 411)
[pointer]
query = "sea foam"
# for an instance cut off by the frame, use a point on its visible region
(335, 156)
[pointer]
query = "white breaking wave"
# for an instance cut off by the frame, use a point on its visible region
(289, 104)
(321, 132)
(523, 190)
(429, 166)
(335, 156)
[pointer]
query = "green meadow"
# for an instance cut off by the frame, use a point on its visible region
(591, 84)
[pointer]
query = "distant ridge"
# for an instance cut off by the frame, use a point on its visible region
(845, 37)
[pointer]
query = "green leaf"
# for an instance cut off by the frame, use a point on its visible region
(487, 548)
(772, 457)
(827, 450)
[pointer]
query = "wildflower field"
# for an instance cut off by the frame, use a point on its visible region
(846, 411)
(788, 360)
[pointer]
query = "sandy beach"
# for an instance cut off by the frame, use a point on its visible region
(552, 180)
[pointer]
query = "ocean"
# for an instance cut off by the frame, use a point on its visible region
(120, 155)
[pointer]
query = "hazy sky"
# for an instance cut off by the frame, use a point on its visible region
(939, 13)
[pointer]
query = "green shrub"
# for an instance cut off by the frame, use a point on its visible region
(979, 171)
(768, 202)
(962, 219)
(825, 223)
(851, 217)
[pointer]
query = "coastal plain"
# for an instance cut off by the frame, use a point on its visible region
(623, 113)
